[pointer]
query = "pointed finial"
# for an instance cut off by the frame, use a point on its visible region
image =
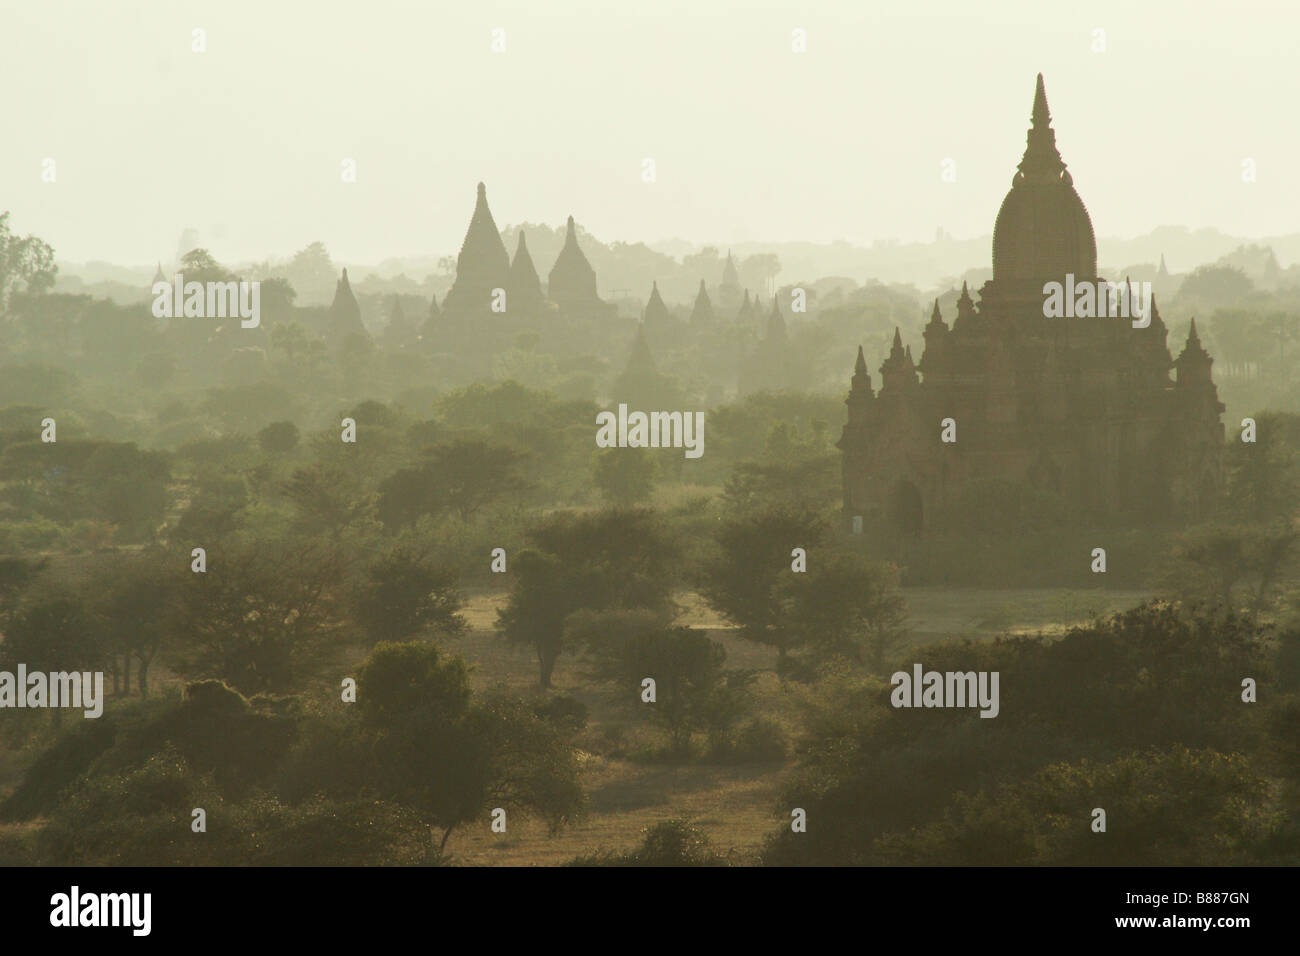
(934, 315)
(1041, 116)
(860, 366)
(1192, 337)
(482, 191)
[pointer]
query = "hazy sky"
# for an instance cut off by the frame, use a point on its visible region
(751, 141)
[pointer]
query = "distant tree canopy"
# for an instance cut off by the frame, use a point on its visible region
(28, 260)
(1214, 286)
(198, 265)
(313, 274)
(81, 478)
(461, 476)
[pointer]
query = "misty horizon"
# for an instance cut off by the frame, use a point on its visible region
(551, 143)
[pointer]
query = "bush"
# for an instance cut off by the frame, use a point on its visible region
(35, 534)
(759, 741)
(567, 713)
(676, 842)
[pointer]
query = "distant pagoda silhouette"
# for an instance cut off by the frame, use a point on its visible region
(1079, 412)
(730, 277)
(657, 316)
(524, 290)
(344, 315)
(571, 284)
(702, 310)
(482, 265)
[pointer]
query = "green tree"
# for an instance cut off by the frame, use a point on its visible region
(849, 606)
(749, 579)
(198, 265)
(626, 647)
(624, 476)
(55, 632)
(403, 595)
(1176, 807)
(606, 560)
(129, 595)
(1263, 477)
(462, 476)
(452, 760)
(258, 616)
(278, 438)
(328, 499)
(16, 576)
(28, 260)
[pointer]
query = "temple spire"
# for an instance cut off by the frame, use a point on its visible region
(745, 313)
(1041, 117)
(860, 393)
(702, 312)
(344, 312)
(1041, 162)
(730, 277)
(1156, 321)
(572, 281)
(482, 265)
(525, 287)
(656, 313)
(898, 371)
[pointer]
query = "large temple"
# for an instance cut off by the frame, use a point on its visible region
(1082, 409)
